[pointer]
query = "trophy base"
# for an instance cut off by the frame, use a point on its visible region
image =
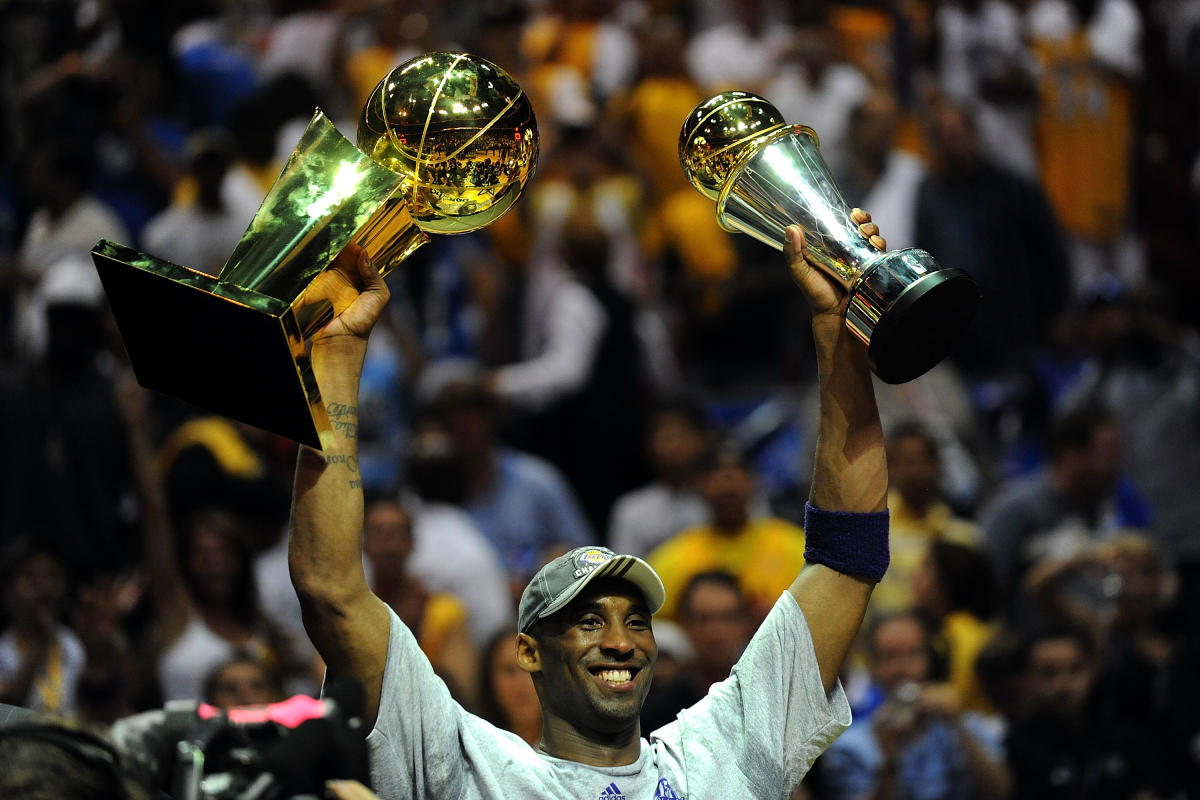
(922, 324)
(228, 350)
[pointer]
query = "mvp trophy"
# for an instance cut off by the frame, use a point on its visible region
(765, 175)
(445, 144)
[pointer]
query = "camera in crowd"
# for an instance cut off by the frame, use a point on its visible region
(190, 751)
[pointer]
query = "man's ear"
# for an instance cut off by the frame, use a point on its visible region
(529, 658)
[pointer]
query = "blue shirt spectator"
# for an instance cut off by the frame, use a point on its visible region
(527, 511)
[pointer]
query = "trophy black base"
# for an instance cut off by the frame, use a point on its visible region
(922, 325)
(228, 350)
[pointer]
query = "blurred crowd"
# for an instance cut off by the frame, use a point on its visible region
(606, 365)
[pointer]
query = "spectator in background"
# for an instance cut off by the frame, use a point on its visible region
(41, 659)
(1079, 498)
(688, 258)
(303, 40)
(1061, 748)
(762, 551)
(201, 232)
(717, 626)
(953, 590)
(199, 569)
(215, 68)
(646, 517)
(206, 605)
(1143, 362)
(506, 695)
(716, 618)
(1148, 680)
(102, 615)
(438, 620)
(450, 553)
(520, 502)
(964, 200)
(815, 84)
(742, 49)
(583, 41)
(650, 113)
(67, 221)
(917, 743)
(209, 462)
(875, 173)
(578, 394)
(919, 514)
(242, 681)
(1088, 55)
(984, 58)
(389, 34)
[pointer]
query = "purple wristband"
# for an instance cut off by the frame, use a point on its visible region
(854, 544)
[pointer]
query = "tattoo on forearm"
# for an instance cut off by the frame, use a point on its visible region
(344, 418)
(351, 464)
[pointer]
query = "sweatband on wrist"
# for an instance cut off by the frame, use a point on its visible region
(852, 543)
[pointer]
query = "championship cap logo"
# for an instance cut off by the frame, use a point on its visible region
(594, 558)
(590, 559)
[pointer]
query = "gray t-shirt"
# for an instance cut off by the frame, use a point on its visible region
(754, 735)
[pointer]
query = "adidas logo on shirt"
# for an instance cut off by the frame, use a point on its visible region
(611, 792)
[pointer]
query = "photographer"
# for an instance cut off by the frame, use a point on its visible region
(917, 743)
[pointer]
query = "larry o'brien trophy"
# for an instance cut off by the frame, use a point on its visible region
(765, 174)
(445, 144)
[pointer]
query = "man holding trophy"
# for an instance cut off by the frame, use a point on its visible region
(585, 620)
(586, 634)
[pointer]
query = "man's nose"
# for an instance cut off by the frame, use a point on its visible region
(617, 640)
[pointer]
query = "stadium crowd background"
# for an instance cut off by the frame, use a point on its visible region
(605, 365)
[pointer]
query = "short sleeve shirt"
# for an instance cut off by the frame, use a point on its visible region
(754, 735)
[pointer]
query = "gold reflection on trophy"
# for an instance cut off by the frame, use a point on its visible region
(719, 132)
(765, 175)
(445, 144)
(462, 135)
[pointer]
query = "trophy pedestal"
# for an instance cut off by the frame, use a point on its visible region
(910, 313)
(230, 350)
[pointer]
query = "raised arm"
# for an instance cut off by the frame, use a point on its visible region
(850, 471)
(347, 623)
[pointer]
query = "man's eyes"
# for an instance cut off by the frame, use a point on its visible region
(593, 622)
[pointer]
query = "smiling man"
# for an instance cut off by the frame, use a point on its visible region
(585, 620)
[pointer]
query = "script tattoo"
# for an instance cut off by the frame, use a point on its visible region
(351, 462)
(344, 418)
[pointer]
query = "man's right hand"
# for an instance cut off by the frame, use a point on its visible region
(358, 293)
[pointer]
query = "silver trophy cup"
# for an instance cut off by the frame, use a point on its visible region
(765, 175)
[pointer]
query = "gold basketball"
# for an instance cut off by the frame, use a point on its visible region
(462, 133)
(718, 132)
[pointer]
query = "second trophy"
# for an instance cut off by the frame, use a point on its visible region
(765, 175)
(445, 144)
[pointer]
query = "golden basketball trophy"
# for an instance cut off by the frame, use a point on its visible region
(445, 144)
(765, 175)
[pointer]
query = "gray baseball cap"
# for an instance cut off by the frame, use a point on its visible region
(560, 581)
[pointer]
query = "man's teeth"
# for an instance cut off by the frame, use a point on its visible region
(616, 675)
